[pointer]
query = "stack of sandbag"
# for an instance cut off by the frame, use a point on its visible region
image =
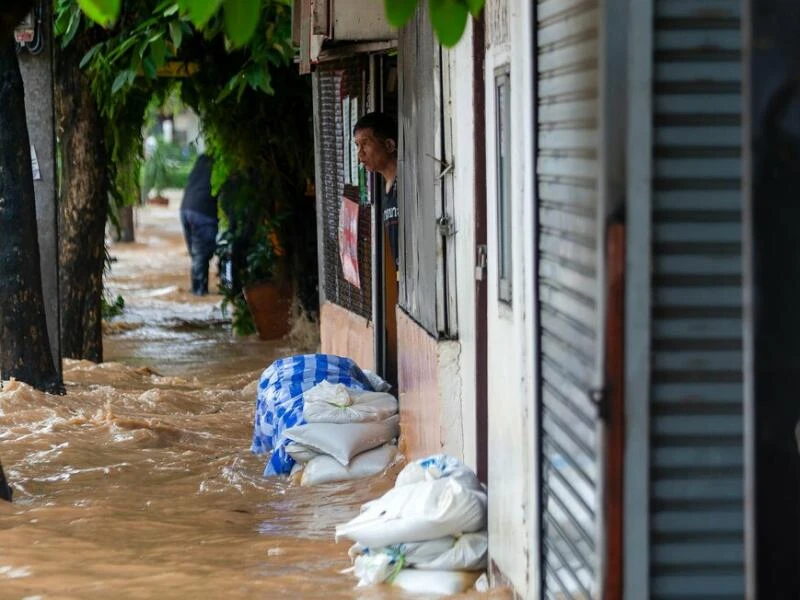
(280, 399)
(349, 433)
(427, 534)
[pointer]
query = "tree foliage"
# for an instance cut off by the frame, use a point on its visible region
(448, 17)
(239, 17)
(149, 37)
(260, 140)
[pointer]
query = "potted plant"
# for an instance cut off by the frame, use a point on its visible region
(265, 290)
(253, 280)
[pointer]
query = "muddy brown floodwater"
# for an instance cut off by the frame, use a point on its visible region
(139, 482)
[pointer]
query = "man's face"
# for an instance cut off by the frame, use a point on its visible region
(373, 153)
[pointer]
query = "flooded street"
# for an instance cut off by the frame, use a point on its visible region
(139, 483)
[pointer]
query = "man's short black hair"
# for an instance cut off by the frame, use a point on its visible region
(383, 126)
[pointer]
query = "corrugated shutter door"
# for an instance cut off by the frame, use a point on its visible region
(567, 182)
(696, 525)
(335, 80)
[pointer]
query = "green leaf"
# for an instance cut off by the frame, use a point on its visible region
(119, 82)
(399, 12)
(104, 12)
(72, 28)
(241, 20)
(200, 11)
(449, 19)
(171, 10)
(120, 50)
(176, 33)
(158, 51)
(62, 21)
(149, 67)
(90, 55)
(475, 7)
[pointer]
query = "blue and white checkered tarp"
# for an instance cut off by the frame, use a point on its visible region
(279, 401)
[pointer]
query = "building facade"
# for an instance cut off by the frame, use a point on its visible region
(575, 314)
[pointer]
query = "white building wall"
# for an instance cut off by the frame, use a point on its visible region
(461, 412)
(513, 476)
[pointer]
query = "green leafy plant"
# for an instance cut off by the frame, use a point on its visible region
(249, 247)
(240, 17)
(166, 167)
(112, 307)
(448, 17)
(254, 134)
(156, 168)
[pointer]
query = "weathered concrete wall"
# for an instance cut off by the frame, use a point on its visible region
(461, 105)
(430, 392)
(513, 468)
(418, 383)
(346, 334)
(37, 76)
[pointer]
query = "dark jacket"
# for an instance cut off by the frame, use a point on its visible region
(197, 195)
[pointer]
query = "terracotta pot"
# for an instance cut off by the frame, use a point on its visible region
(270, 306)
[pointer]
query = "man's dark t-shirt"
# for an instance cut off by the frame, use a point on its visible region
(390, 220)
(197, 195)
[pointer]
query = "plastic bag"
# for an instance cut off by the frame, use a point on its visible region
(329, 403)
(418, 512)
(325, 469)
(344, 441)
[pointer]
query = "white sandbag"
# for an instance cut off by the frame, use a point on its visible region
(416, 513)
(299, 453)
(371, 569)
(373, 566)
(410, 553)
(325, 391)
(346, 440)
(435, 582)
(329, 403)
(468, 552)
(296, 473)
(324, 469)
(436, 467)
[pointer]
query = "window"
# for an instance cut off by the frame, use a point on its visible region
(503, 170)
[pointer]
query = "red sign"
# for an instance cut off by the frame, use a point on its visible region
(348, 241)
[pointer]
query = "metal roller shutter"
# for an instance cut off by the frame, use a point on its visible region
(696, 507)
(567, 190)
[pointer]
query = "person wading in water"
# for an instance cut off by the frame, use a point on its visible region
(199, 220)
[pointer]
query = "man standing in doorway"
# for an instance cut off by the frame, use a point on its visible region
(375, 136)
(199, 220)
